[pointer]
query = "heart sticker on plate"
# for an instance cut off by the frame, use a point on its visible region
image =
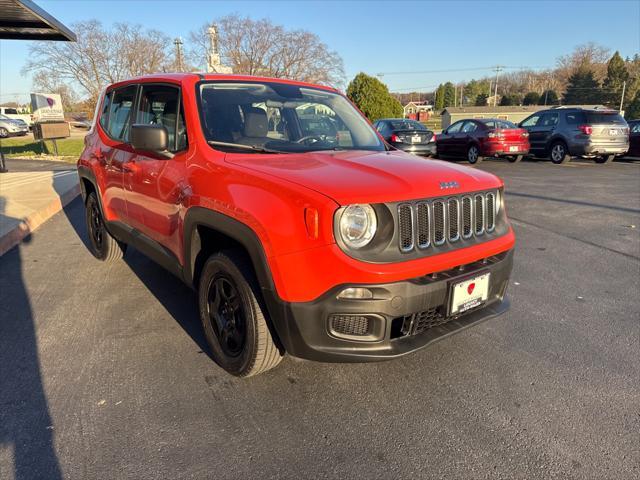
(470, 288)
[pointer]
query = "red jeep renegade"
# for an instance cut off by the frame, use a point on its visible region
(300, 229)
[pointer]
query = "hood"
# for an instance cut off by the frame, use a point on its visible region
(368, 177)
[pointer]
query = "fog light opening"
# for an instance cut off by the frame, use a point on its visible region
(355, 293)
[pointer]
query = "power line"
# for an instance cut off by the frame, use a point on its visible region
(472, 69)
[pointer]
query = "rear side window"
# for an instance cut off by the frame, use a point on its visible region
(120, 112)
(576, 118)
(161, 105)
(549, 119)
(10, 111)
(635, 128)
(599, 117)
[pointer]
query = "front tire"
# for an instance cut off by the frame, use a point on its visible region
(101, 244)
(473, 155)
(559, 153)
(234, 324)
(4, 133)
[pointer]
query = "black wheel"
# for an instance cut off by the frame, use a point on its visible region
(515, 158)
(4, 133)
(232, 318)
(559, 153)
(473, 154)
(605, 159)
(102, 245)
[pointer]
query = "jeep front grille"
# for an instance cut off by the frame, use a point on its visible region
(447, 220)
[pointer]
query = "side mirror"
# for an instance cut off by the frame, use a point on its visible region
(444, 132)
(151, 138)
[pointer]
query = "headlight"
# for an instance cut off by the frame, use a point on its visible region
(358, 225)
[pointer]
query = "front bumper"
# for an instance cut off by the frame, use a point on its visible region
(305, 328)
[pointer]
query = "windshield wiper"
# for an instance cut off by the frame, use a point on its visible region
(253, 148)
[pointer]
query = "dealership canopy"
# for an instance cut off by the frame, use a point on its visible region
(24, 20)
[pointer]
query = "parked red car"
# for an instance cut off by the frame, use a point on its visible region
(475, 139)
(302, 237)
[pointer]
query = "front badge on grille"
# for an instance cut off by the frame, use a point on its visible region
(449, 185)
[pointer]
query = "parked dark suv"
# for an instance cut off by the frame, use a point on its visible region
(562, 132)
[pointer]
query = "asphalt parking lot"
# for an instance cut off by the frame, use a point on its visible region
(104, 371)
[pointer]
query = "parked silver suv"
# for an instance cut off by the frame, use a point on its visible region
(10, 127)
(562, 132)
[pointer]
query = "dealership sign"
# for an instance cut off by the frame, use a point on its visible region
(46, 107)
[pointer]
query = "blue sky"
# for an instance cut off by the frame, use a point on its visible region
(386, 36)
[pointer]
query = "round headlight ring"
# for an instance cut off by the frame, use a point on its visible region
(358, 225)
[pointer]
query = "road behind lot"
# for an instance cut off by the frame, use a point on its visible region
(103, 373)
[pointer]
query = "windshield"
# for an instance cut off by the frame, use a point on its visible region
(4, 117)
(270, 116)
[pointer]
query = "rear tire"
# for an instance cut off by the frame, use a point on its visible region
(102, 245)
(606, 159)
(515, 159)
(473, 155)
(559, 153)
(232, 318)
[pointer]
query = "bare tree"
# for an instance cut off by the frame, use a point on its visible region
(259, 47)
(587, 55)
(99, 57)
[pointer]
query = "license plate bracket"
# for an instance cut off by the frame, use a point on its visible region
(468, 293)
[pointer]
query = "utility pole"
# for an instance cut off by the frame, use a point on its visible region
(455, 95)
(498, 69)
(624, 84)
(178, 43)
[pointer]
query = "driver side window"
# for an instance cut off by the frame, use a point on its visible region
(532, 121)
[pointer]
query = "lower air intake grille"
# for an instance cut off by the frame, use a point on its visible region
(351, 325)
(421, 321)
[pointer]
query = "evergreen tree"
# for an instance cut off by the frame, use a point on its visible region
(449, 94)
(632, 112)
(617, 75)
(531, 98)
(481, 100)
(439, 98)
(549, 97)
(583, 88)
(512, 99)
(372, 97)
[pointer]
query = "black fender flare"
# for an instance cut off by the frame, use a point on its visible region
(232, 228)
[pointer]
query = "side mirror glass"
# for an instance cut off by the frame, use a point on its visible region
(150, 138)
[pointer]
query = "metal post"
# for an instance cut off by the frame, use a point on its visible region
(624, 84)
(55, 147)
(3, 166)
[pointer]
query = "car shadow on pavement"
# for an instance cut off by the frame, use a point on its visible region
(26, 429)
(176, 298)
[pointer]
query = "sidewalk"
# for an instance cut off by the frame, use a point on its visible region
(30, 194)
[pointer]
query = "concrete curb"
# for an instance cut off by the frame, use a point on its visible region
(28, 224)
